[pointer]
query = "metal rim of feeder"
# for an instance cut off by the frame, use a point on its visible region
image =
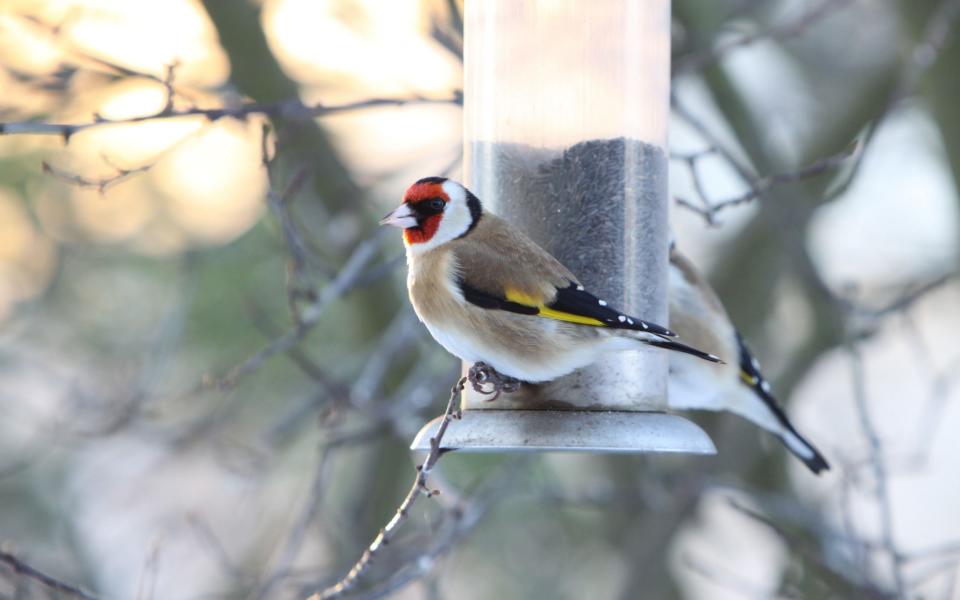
(565, 123)
(567, 431)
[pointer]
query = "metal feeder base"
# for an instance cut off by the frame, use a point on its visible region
(489, 430)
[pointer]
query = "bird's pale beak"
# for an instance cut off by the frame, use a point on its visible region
(402, 217)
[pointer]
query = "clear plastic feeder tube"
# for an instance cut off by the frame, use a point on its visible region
(566, 106)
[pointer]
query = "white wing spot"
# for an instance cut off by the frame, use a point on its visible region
(579, 288)
(755, 363)
(765, 386)
(629, 320)
(621, 318)
(602, 302)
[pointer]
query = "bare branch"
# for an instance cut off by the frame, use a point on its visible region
(292, 109)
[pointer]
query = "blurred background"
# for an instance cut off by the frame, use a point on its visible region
(210, 373)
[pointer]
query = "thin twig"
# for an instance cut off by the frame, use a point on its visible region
(780, 32)
(101, 184)
(879, 467)
(909, 298)
(81, 56)
(734, 582)
(708, 209)
(215, 545)
(419, 488)
(814, 557)
(713, 141)
(921, 57)
(21, 568)
(311, 508)
(395, 340)
(280, 204)
(345, 280)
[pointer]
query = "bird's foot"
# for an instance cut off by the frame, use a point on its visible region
(488, 381)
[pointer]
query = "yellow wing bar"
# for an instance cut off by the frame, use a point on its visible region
(550, 313)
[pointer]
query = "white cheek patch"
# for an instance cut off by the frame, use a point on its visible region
(456, 220)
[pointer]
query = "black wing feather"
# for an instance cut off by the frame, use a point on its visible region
(575, 300)
(571, 300)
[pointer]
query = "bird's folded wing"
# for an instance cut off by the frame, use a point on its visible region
(540, 288)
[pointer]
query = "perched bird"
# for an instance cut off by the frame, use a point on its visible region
(487, 293)
(697, 316)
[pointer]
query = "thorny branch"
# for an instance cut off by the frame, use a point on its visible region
(21, 568)
(419, 488)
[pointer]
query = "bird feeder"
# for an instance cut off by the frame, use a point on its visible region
(565, 124)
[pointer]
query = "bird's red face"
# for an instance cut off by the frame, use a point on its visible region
(434, 211)
(427, 201)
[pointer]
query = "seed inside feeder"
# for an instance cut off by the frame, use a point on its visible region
(590, 205)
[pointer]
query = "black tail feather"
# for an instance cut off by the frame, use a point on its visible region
(817, 463)
(752, 378)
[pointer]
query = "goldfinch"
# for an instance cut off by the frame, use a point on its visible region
(697, 315)
(489, 294)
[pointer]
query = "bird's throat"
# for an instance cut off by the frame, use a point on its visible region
(423, 232)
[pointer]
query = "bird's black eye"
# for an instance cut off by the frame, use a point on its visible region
(437, 205)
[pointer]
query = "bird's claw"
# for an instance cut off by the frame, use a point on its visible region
(482, 375)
